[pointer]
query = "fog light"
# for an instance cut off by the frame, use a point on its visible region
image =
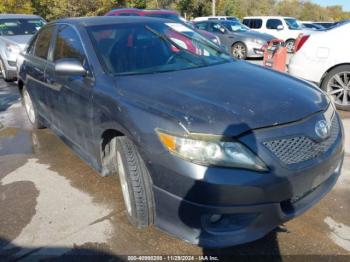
(215, 218)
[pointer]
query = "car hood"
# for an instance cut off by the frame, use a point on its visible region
(226, 99)
(254, 35)
(20, 40)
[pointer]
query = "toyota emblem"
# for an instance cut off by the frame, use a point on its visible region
(322, 129)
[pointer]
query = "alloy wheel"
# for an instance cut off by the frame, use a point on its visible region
(338, 88)
(239, 51)
(290, 46)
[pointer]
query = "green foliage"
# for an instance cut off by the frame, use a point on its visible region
(301, 9)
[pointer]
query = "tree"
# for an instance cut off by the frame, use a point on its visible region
(16, 6)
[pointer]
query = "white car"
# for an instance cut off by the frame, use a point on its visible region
(206, 18)
(324, 58)
(286, 28)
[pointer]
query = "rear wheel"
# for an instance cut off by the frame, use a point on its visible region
(135, 183)
(337, 85)
(239, 51)
(32, 114)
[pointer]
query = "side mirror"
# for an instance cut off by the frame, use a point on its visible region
(280, 27)
(222, 30)
(70, 67)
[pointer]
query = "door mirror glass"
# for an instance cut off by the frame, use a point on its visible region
(70, 67)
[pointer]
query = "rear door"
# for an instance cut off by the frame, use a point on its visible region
(34, 65)
(72, 94)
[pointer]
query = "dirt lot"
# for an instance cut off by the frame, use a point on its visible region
(52, 203)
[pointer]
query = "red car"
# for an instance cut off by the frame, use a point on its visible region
(161, 13)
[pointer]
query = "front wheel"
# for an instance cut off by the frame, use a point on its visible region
(239, 51)
(135, 183)
(3, 71)
(337, 85)
(32, 113)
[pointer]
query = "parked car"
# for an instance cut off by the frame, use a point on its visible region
(15, 32)
(206, 18)
(161, 13)
(239, 40)
(213, 150)
(326, 25)
(311, 25)
(324, 58)
(286, 28)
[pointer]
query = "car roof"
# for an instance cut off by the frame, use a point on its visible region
(149, 11)
(106, 20)
(17, 16)
(267, 17)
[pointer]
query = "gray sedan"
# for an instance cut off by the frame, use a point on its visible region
(15, 32)
(240, 40)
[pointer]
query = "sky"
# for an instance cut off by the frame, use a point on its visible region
(344, 3)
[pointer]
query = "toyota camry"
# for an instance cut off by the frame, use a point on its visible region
(213, 150)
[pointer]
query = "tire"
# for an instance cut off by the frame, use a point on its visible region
(4, 72)
(290, 43)
(239, 51)
(337, 85)
(135, 182)
(33, 116)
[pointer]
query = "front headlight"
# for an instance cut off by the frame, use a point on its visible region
(11, 48)
(258, 41)
(211, 151)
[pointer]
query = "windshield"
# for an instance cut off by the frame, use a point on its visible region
(293, 23)
(11, 27)
(157, 47)
(235, 26)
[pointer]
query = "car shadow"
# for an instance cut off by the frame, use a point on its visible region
(7, 96)
(265, 248)
(11, 252)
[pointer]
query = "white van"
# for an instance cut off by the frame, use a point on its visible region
(285, 28)
(205, 18)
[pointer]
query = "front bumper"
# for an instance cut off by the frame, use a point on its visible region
(255, 50)
(250, 203)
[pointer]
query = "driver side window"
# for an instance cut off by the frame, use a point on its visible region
(68, 45)
(216, 28)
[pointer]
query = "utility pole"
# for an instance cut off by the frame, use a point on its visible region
(213, 4)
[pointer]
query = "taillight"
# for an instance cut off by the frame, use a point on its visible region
(302, 42)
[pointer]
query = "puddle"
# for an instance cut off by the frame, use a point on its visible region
(340, 233)
(58, 220)
(15, 141)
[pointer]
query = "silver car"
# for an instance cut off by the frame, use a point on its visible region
(15, 33)
(238, 39)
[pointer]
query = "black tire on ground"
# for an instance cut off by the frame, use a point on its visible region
(3, 71)
(138, 182)
(339, 70)
(33, 116)
(290, 43)
(241, 46)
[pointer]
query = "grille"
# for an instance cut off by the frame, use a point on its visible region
(301, 148)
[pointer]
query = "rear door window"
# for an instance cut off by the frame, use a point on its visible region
(42, 43)
(201, 26)
(273, 23)
(253, 23)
